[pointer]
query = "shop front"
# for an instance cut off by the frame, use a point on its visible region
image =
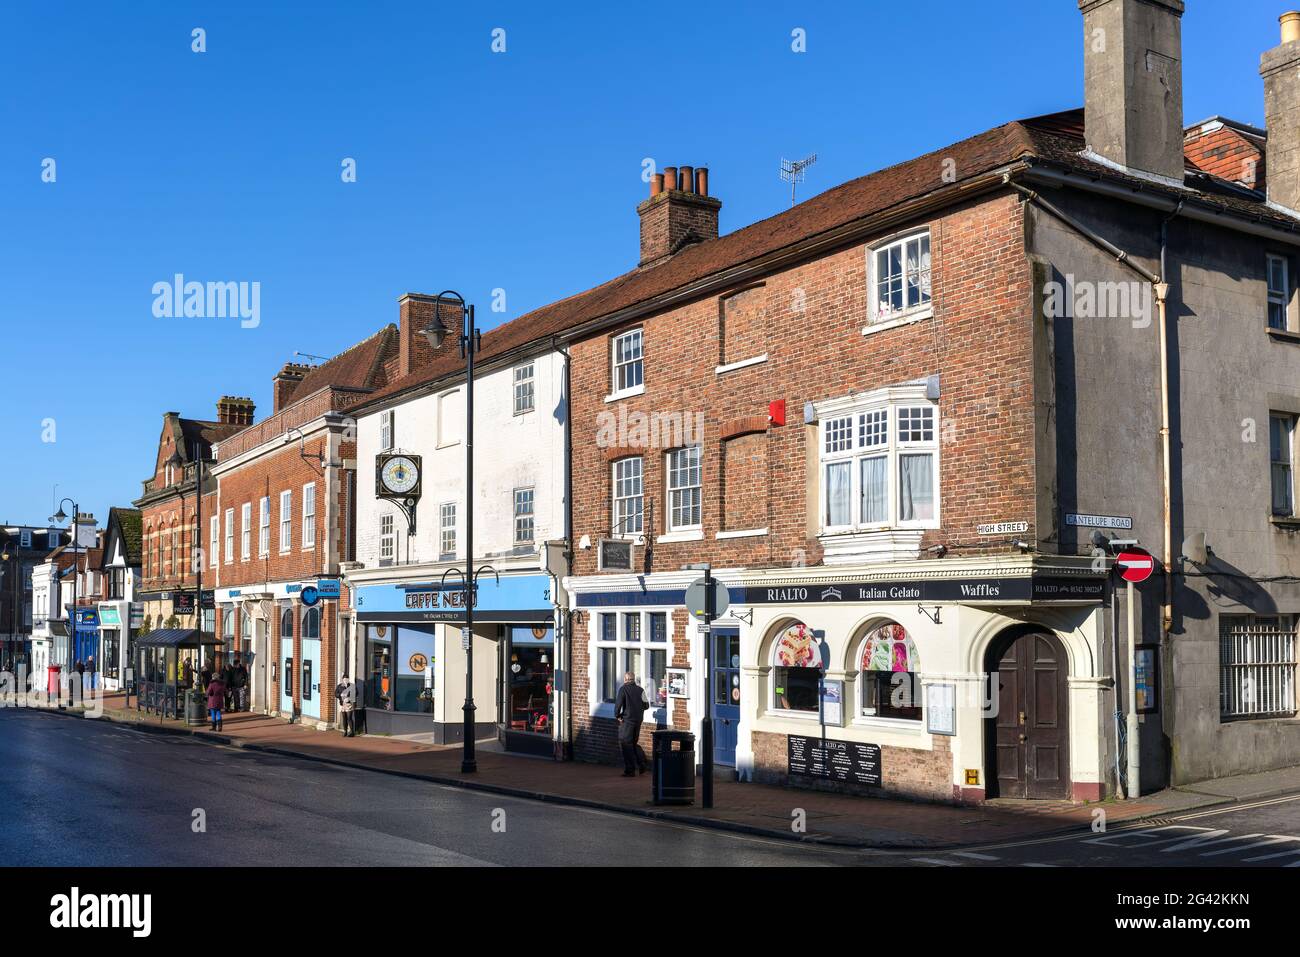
(118, 621)
(86, 649)
(413, 648)
(944, 681)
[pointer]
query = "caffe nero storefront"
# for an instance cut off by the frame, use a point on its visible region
(413, 669)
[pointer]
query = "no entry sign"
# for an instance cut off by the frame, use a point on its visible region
(1135, 564)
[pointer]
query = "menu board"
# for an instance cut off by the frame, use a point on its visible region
(845, 761)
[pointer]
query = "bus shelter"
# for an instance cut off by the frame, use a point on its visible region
(160, 657)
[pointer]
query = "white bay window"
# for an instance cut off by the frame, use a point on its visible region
(879, 461)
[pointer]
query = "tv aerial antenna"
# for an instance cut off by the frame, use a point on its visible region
(308, 355)
(792, 171)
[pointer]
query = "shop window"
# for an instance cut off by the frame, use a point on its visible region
(634, 641)
(401, 664)
(531, 679)
(890, 683)
(798, 665)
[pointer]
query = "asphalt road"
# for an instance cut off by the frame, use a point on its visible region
(81, 792)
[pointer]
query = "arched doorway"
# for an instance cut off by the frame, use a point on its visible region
(1027, 743)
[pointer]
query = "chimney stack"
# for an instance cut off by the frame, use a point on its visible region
(679, 212)
(1133, 84)
(235, 410)
(416, 313)
(1280, 68)
(286, 382)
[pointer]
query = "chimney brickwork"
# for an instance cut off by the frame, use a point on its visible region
(1133, 103)
(286, 382)
(235, 410)
(417, 312)
(1280, 68)
(679, 212)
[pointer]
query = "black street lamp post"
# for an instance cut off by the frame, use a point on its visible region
(59, 517)
(469, 344)
(196, 550)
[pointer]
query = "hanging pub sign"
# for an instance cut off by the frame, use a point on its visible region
(614, 555)
(845, 761)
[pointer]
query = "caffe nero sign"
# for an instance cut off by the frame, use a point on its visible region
(1037, 588)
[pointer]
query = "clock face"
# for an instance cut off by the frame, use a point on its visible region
(400, 474)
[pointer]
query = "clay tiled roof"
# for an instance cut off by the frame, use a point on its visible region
(359, 367)
(1054, 140)
(129, 524)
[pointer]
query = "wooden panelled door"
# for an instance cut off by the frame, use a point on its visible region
(1031, 740)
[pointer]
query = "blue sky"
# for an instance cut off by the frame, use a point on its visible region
(475, 170)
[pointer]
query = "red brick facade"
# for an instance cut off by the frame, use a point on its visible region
(808, 321)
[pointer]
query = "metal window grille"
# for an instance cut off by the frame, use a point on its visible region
(1257, 667)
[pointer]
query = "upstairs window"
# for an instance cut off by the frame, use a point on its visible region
(447, 531)
(523, 516)
(230, 535)
(629, 501)
(880, 467)
(264, 526)
(1281, 453)
(1279, 291)
(286, 520)
(245, 530)
(629, 373)
(214, 535)
(523, 379)
(387, 423)
(309, 515)
(386, 540)
(900, 277)
(684, 489)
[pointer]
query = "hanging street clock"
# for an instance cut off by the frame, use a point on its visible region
(398, 478)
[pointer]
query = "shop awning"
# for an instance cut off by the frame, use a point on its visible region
(176, 638)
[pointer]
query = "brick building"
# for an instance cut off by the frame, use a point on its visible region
(22, 549)
(171, 510)
(871, 414)
(283, 525)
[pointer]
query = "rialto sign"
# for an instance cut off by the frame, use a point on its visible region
(1037, 588)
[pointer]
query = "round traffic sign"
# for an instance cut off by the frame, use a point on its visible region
(1135, 564)
(696, 595)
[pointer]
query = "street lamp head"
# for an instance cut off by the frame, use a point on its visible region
(4, 556)
(59, 516)
(436, 333)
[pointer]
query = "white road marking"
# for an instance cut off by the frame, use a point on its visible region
(936, 861)
(974, 856)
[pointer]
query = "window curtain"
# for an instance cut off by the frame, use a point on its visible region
(838, 481)
(916, 487)
(875, 489)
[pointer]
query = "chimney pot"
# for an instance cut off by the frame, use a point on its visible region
(1290, 26)
(656, 184)
(680, 214)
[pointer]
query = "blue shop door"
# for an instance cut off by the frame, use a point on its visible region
(311, 677)
(287, 672)
(725, 694)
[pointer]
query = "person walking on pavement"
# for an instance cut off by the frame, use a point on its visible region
(629, 709)
(228, 680)
(187, 674)
(216, 701)
(346, 693)
(239, 678)
(205, 676)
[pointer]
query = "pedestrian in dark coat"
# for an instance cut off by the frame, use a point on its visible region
(216, 701)
(228, 679)
(205, 677)
(630, 708)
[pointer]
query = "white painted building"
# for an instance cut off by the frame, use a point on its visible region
(120, 613)
(406, 582)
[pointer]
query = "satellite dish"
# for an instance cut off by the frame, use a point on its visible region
(1195, 549)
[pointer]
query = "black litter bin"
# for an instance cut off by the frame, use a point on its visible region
(673, 767)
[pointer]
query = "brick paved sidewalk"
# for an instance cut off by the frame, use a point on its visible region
(755, 808)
